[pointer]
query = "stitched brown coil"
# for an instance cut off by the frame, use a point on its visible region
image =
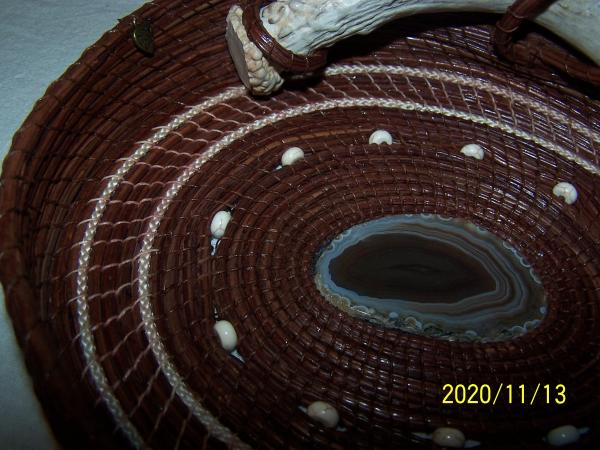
(535, 49)
(113, 285)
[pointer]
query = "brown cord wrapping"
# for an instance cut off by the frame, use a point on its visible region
(279, 56)
(535, 49)
(297, 348)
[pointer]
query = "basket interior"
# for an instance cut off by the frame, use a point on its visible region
(114, 287)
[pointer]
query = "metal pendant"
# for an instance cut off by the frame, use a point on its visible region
(143, 36)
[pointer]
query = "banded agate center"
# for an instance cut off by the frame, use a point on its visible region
(425, 274)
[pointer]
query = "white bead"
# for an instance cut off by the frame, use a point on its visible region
(226, 334)
(323, 413)
(473, 150)
(291, 155)
(567, 191)
(567, 434)
(449, 437)
(380, 137)
(219, 224)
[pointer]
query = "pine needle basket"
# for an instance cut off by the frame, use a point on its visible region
(113, 288)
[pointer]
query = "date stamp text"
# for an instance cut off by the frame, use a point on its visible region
(485, 394)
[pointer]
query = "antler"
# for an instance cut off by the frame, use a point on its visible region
(291, 34)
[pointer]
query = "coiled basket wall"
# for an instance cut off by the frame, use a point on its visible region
(114, 288)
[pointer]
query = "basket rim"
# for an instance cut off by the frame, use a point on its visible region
(27, 133)
(18, 288)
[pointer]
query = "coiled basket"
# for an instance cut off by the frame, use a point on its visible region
(113, 286)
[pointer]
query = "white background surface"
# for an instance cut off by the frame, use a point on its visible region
(39, 39)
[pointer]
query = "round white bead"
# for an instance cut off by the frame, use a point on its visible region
(380, 137)
(449, 437)
(226, 334)
(473, 150)
(567, 434)
(567, 191)
(323, 413)
(219, 224)
(291, 155)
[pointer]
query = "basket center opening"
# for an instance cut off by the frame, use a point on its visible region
(427, 274)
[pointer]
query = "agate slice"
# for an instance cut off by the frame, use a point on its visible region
(425, 274)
